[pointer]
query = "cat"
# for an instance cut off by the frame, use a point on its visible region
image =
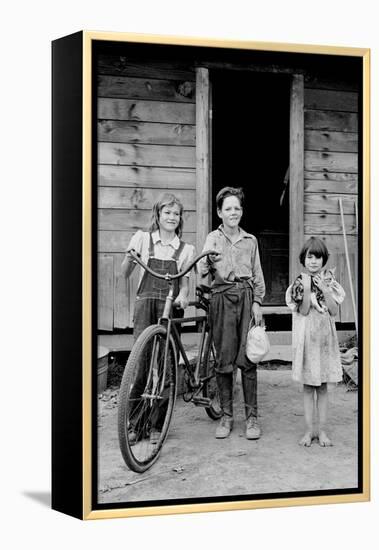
(317, 297)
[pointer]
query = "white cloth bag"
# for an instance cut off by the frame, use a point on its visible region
(257, 344)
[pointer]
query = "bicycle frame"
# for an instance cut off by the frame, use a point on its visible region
(170, 324)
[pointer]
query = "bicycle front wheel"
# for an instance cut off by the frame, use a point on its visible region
(147, 398)
(210, 389)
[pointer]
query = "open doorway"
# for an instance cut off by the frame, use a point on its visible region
(250, 149)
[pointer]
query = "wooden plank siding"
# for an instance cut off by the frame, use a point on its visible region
(146, 146)
(331, 172)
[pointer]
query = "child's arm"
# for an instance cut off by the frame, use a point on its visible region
(259, 287)
(306, 302)
(182, 297)
(128, 264)
(327, 292)
(205, 265)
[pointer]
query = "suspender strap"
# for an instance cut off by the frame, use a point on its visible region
(151, 246)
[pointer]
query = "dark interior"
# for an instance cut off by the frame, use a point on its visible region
(250, 137)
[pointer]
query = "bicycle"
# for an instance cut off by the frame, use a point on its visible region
(149, 382)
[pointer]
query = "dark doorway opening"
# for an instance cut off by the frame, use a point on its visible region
(250, 149)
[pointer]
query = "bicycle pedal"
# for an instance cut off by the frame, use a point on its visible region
(201, 401)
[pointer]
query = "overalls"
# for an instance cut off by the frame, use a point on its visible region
(150, 301)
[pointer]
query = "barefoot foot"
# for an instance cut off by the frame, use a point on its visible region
(324, 440)
(306, 440)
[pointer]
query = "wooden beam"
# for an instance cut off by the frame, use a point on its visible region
(141, 88)
(296, 173)
(202, 155)
(146, 111)
(146, 176)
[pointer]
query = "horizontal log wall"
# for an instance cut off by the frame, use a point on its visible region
(146, 145)
(331, 172)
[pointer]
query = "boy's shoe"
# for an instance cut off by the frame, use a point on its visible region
(154, 437)
(224, 427)
(253, 430)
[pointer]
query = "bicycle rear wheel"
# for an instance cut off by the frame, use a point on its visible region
(147, 398)
(210, 389)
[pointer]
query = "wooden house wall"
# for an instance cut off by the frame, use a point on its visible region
(146, 135)
(146, 145)
(330, 173)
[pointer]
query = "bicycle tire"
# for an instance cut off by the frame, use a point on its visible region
(210, 389)
(136, 412)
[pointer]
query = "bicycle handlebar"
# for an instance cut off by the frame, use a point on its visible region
(168, 276)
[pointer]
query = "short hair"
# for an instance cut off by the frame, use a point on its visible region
(229, 192)
(314, 246)
(167, 199)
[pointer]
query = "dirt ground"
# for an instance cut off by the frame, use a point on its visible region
(195, 464)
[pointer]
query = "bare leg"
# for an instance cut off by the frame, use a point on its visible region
(308, 391)
(322, 406)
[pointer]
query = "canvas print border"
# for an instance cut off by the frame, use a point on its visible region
(88, 315)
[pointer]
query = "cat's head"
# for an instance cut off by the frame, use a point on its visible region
(329, 275)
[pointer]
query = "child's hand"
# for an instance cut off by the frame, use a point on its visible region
(256, 313)
(212, 258)
(181, 300)
(306, 281)
(320, 283)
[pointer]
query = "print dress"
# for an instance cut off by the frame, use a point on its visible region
(315, 350)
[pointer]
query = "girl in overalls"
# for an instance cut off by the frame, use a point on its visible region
(162, 249)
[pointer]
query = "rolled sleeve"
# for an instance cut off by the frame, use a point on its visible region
(204, 265)
(258, 279)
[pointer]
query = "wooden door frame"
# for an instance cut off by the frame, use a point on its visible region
(203, 156)
(296, 173)
(296, 169)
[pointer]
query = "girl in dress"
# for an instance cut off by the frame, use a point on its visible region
(314, 298)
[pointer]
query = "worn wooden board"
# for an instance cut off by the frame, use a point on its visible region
(347, 310)
(105, 292)
(317, 224)
(119, 65)
(332, 176)
(327, 186)
(317, 140)
(145, 132)
(317, 161)
(132, 287)
(132, 220)
(335, 243)
(330, 100)
(337, 121)
(146, 155)
(117, 241)
(143, 88)
(121, 312)
(330, 83)
(139, 199)
(317, 203)
(140, 176)
(146, 111)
